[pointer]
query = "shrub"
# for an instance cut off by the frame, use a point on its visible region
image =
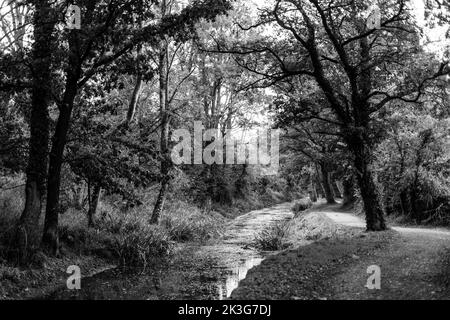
(272, 238)
(302, 205)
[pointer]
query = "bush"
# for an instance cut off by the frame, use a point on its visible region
(272, 238)
(302, 205)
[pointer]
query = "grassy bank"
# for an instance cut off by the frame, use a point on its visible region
(121, 236)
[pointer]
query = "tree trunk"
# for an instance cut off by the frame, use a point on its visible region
(405, 203)
(159, 205)
(318, 183)
(349, 191)
(369, 192)
(336, 190)
(134, 99)
(312, 191)
(50, 241)
(28, 231)
(94, 199)
(164, 141)
(327, 188)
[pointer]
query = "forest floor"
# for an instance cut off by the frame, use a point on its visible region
(414, 264)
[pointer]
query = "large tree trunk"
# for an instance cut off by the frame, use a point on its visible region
(326, 182)
(369, 192)
(28, 231)
(50, 241)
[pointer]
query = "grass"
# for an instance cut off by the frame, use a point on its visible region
(273, 238)
(123, 236)
(137, 245)
(302, 205)
(185, 223)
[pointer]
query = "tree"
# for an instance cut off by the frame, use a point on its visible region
(28, 229)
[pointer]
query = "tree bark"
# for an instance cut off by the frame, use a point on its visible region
(327, 188)
(28, 231)
(369, 192)
(50, 241)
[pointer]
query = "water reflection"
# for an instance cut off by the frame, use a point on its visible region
(236, 275)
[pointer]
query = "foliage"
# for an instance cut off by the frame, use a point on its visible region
(416, 180)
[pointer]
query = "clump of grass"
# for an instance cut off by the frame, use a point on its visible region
(184, 222)
(302, 205)
(137, 245)
(273, 238)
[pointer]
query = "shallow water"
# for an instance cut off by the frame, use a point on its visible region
(210, 271)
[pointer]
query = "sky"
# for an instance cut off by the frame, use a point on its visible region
(433, 39)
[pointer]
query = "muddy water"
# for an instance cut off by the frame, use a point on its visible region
(209, 271)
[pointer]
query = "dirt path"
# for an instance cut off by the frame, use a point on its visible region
(416, 267)
(414, 263)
